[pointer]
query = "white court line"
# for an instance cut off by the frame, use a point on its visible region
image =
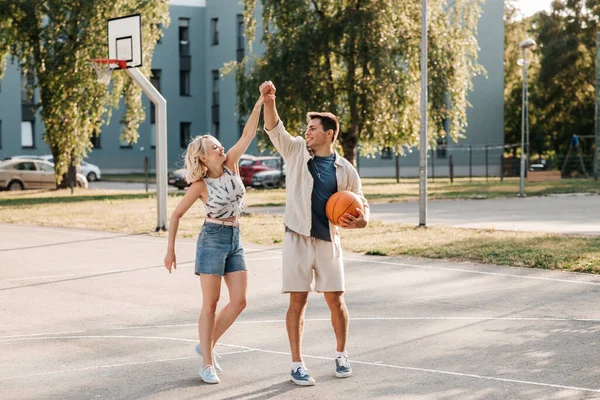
(385, 262)
(469, 270)
(249, 349)
(541, 278)
(281, 321)
(96, 367)
(36, 277)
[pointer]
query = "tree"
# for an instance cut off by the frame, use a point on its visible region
(53, 41)
(516, 29)
(360, 60)
(562, 97)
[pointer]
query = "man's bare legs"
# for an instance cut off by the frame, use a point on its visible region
(339, 318)
(294, 321)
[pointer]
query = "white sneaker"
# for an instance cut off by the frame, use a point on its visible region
(301, 377)
(209, 375)
(342, 367)
(215, 356)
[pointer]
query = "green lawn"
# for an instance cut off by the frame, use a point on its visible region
(135, 212)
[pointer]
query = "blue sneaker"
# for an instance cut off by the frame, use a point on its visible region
(209, 375)
(301, 377)
(215, 356)
(342, 367)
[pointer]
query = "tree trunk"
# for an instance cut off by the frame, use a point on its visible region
(349, 140)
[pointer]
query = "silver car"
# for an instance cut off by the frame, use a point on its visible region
(21, 173)
(274, 178)
(90, 171)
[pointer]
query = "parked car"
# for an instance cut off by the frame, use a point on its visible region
(251, 166)
(23, 173)
(177, 177)
(90, 171)
(272, 178)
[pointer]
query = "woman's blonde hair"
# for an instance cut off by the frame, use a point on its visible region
(195, 168)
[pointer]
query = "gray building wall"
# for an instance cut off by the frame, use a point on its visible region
(485, 119)
(11, 115)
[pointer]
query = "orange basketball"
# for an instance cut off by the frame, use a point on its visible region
(343, 202)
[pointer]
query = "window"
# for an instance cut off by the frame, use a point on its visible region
(155, 81)
(240, 53)
(26, 166)
(184, 83)
(26, 90)
(215, 87)
(27, 134)
(184, 134)
(45, 167)
(95, 140)
(159, 29)
(387, 153)
(215, 130)
(184, 36)
(152, 136)
(214, 27)
(440, 150)
(241, 126)
(123, 143)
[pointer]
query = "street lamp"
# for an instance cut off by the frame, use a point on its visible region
(526, 44)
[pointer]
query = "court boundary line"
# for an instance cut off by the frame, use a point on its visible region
(367, 363)
(282, 321)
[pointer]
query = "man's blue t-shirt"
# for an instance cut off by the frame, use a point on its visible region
(322, 170)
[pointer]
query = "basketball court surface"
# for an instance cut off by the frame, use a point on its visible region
(95, 315)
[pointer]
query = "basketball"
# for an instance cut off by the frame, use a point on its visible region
(343, 202)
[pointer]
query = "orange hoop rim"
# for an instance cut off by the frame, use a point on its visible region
(121, 63)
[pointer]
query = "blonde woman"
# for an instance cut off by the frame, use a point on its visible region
(215, 180)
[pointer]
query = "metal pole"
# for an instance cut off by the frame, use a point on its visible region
(423, 143)
(522, 172)
(432, 165)
(528, 159)
(597, 125)
(486, 163)
(397, 168)
(470, 163)
(146, 171)
(161, 144)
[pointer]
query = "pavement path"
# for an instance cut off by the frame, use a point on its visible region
(570, 214)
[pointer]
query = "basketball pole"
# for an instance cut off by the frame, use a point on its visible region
(423, 140)
(161, 145)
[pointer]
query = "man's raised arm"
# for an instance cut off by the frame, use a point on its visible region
(271, 117)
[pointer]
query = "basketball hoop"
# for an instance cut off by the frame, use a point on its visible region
(103, 68)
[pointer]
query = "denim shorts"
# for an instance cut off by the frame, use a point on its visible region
(219, 250)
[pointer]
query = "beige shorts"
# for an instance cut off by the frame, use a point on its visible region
(305, 258)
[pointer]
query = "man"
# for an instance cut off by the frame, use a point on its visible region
(311, 245)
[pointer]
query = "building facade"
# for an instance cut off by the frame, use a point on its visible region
(202, 37)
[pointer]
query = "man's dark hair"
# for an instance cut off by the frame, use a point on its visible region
(328, 120)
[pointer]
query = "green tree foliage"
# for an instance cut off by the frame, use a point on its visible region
(53, 41)
(562, 96)
(516, 29)
(561, 74)
(360, 60)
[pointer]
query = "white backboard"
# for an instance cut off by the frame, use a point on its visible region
(125, 40)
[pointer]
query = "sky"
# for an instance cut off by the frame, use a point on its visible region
(530, 7)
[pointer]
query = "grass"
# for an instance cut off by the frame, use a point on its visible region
(135, 212)
(130, 178)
